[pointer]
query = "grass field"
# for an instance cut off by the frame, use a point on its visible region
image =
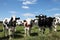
(35, 34)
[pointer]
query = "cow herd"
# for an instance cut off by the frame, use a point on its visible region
(9, 24)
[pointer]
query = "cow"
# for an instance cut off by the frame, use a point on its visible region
(56, 22)
(44, 21)
(49, 23)
(28, 23)
(5, 26)
(9, 25)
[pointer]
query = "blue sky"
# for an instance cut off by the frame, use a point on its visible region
(28, 8)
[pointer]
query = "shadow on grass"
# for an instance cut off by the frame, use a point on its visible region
(4, 38)
(7, 38)
(19, 32)
(1, 30)
(18, 36)
(34, 34)
(58, 30)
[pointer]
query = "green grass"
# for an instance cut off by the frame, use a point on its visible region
(35, 34)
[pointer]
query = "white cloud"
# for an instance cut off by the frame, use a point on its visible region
(29, 2)
(21, 0)
(53, 9)
(1, 19)
(13, 12)
(57, 15)
(28, 14)
(25, 7)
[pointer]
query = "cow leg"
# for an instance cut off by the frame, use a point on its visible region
(50, 29)
(43, 30)
(5, 31)
(13, 31)
(28, 31)
(40, 29)
(5, 34)
(25, 31)
(55, 28)
(10, 33)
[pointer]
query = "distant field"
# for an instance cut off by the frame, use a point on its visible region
(35, 34)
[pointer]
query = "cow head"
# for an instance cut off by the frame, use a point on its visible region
(40, 17)
(14, 18)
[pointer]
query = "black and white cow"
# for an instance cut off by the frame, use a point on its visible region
(50, 22)
(9, 25)
(56, 22)
(5, 26)
(44, 21)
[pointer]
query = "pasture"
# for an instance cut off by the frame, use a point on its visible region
(35, 34)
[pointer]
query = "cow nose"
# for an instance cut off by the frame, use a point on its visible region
(58, 22)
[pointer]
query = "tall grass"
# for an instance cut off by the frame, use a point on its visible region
(35, 34)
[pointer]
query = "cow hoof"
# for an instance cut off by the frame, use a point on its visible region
(10, 38)
(25, 35)
(5, 35)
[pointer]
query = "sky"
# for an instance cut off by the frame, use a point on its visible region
(28, 8)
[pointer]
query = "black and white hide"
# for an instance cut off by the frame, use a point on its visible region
(44, 21)
(9, 25)
(56, 22)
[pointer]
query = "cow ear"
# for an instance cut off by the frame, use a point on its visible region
(18, 17)
(24, 20)
(36, 16)
(54, 17)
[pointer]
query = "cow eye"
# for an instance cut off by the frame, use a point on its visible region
(57, 19)
(54, 20)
